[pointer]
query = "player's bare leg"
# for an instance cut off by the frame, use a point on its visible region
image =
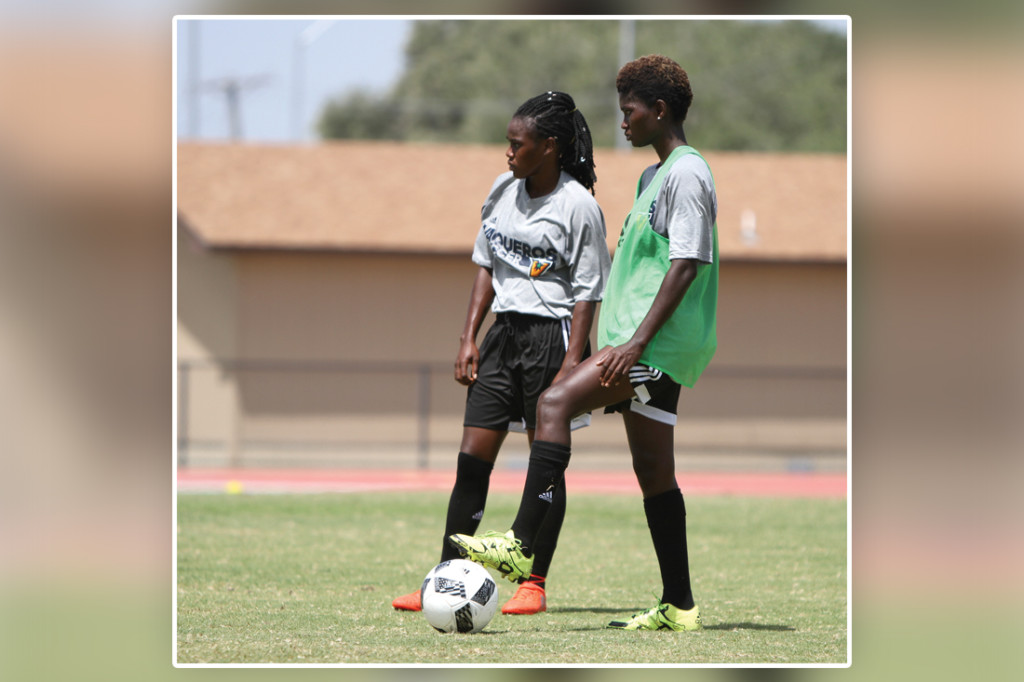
(578, 392)
(484, 444)
(651, 444)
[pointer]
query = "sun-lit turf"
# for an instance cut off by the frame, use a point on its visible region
(310, 579)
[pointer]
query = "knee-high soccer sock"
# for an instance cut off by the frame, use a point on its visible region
(666, 517)
(547, 535)
(547, 467)
(466, 505)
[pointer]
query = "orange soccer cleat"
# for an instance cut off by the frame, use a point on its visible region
(528, 599)
(408, 602)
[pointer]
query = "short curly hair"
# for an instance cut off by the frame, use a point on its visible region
(655, 77)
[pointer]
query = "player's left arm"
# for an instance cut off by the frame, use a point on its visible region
(690, 208)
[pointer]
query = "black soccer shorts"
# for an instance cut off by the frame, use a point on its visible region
(656, 395)
(519, 357)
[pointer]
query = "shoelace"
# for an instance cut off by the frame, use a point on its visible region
(520, 596)
(498, 534)
(646, 611)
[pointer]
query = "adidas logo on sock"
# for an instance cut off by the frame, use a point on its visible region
(479, 515)
(547, 495)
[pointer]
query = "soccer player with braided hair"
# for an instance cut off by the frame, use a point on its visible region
(543, 264)
(657, 331)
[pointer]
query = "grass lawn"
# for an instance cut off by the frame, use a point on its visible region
(309, 579)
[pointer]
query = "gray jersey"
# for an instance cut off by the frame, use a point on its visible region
(545, 254)
(686, 208)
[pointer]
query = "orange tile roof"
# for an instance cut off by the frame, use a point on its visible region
(401, 197)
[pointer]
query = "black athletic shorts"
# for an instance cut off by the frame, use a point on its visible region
(519, 357)
(656, 395)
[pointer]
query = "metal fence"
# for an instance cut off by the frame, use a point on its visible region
(291, 407)
(420, 377)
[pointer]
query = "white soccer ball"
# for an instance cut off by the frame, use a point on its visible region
(459, 596)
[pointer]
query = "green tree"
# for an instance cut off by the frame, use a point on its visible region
(758, 85)
(359, 115)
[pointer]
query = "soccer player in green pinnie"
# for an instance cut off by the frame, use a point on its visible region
(656, 332)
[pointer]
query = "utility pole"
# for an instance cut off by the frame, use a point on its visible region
(232, 88)
(194, 74)
(627, 50)
(302, 42)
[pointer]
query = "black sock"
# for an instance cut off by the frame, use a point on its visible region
(547, 535)
(466, 505)
(547, 467)
(666, 517)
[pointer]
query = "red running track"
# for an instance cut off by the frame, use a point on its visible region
(771, 484)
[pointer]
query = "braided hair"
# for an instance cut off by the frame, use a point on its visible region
(554, 114)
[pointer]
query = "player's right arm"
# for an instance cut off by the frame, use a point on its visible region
(480, 299)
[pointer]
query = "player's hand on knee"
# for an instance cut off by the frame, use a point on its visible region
(617, 361)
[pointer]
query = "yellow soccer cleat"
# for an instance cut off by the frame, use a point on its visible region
(661, 617)
(502, 552)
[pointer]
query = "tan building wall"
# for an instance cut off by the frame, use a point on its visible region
(333, 348)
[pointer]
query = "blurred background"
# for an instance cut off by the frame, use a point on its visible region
(324, 258)
(86, 243)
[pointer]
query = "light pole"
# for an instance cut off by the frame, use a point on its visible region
(627, 47)
(194, 75)
(302, 41)
(232, 88)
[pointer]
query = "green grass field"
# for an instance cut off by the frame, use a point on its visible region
(308, 579)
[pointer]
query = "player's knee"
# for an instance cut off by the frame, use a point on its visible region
(551, 405)
(654, 472)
